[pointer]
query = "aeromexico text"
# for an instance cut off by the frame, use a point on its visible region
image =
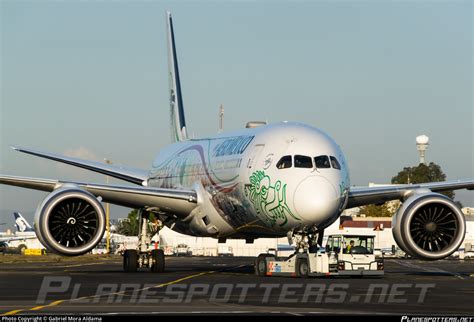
(232, 146)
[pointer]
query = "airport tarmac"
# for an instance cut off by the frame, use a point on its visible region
(217, 285)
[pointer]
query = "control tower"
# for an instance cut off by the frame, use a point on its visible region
(422, 142)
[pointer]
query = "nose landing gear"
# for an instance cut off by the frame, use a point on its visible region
(307, 239)
(307, 242)
(141, 257)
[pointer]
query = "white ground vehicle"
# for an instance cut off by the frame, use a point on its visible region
(182, 250)
(463, 254)
(100, 249)
(224, 250)
(344, 255)
(168, 250)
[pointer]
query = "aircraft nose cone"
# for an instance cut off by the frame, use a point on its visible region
(315, 199)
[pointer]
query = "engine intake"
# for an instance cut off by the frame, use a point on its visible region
(429, 226)
(70, 221)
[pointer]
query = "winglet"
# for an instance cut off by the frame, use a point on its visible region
(178, 122)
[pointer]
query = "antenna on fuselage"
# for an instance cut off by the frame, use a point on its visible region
(221, 118)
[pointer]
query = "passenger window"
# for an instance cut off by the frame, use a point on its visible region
(335, 164)
(285, 162)
(302, 161)
(322, 162)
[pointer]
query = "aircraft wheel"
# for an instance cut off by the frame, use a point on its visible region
(302, 268)
(158, 257)
(130, 260)
(21, 249)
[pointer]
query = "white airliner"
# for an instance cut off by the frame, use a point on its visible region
(23, 230)
(22, 225)
(282, 179)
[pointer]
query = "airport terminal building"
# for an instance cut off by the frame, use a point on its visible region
(349, 222)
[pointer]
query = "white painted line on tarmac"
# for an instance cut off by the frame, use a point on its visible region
(428, 269)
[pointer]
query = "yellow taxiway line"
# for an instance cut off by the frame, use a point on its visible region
(36, 308)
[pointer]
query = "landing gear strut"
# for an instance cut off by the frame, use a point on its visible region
(142, 257)
(309, 239)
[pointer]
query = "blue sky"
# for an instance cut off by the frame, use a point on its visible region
(89, 79)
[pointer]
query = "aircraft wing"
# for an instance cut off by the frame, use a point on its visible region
(360, 196)
(171, 201)
(132, 175)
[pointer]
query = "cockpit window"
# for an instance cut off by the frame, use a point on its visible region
(335, 164)
(302, 161)
(322, 162)
(285, 162)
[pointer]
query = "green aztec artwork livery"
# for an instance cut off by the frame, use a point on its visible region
(268, 199)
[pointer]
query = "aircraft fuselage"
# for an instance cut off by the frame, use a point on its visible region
(246, 188)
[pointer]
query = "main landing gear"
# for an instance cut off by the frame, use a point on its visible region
(142, 257)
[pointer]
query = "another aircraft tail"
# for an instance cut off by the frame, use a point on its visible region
(178, 122)
(21, 224)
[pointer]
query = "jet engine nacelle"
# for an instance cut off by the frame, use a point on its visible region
(70, 221)
(429, 226)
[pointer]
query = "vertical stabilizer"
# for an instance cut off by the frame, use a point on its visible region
(178, 122)
(21, 224)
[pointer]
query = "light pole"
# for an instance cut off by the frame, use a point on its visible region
(107, 213)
